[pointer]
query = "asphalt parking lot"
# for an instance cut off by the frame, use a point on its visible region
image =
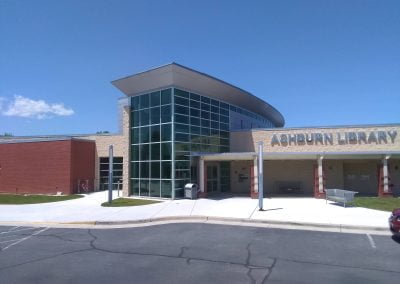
(195, 253)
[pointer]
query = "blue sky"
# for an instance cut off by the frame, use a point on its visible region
(318, 62)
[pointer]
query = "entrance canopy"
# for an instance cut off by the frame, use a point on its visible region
(335, 169)
(241, 156)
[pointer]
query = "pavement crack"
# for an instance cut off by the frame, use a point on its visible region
(62, 238)
(94, 238)
(179, 256)
(249, 266)
(252, 280)
(182, 251)
(248, 254)
(269, 271)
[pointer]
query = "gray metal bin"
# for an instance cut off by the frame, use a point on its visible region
(191, 191)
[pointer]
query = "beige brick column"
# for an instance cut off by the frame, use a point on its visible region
(255, 174)
(126, 150)
(201, 176)
(254, 178)
(320, 175)
(385, 175)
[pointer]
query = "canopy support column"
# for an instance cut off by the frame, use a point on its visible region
(202, 190)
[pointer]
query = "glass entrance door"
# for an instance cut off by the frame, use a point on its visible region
(212, 178)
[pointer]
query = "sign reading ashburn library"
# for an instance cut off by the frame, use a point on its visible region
(339, 138)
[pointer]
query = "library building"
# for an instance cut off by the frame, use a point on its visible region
(180, 126)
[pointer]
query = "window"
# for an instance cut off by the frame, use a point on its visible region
(155, 188)
(135, 135)
(194, 112)
(166, 132)
(181, 128)
(155, 170)
(166, 113)
(144, 169)
(166, 151)
(182, 137)
(155, 115)
(181, 93)
(166, 170)
(144, 134)
(155, 151)
(144, 187)
(182, 118)
(194, 104)
(155, 99)
(135, 169)
(135, 103)
(194, 97)
(104, 167)
(155, 133)
(166, 96)
(181, 101)
(181, 110)
(144, 101)
(166, 187)
(144, 117)
(135, 153)
(144, 152)
(135, 118)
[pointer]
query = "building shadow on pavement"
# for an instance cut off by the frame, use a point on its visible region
(340, 204)
(272, 209)
(224, 195)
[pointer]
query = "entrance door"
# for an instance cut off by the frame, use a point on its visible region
(212, 178)
(361, 177)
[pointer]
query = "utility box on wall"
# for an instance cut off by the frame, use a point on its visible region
(46, 166)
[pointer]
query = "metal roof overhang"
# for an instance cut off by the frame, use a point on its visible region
(188, 79)
(300, 155)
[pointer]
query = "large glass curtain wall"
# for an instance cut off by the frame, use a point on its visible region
(201, 124)
(166, 127)
(151, 144)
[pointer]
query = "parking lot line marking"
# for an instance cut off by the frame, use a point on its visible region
(15, 231)
(371, 241)
(10, 230)
(24, 239)
(9, 241)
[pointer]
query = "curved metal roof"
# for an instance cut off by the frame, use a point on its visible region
(174, 74)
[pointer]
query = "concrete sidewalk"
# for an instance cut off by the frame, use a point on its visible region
(277, 210)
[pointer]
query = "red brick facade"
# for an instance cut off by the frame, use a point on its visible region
(46, 167)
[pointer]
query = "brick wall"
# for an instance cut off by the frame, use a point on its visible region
(43, 167)
(120, 148)
(82, 164)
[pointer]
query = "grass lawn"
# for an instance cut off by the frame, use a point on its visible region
(378, 203)
(33, 199)
(121, 202)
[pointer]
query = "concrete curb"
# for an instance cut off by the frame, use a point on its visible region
(211, 219)
(241, 220)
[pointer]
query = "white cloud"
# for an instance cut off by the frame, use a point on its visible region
(39, 109)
